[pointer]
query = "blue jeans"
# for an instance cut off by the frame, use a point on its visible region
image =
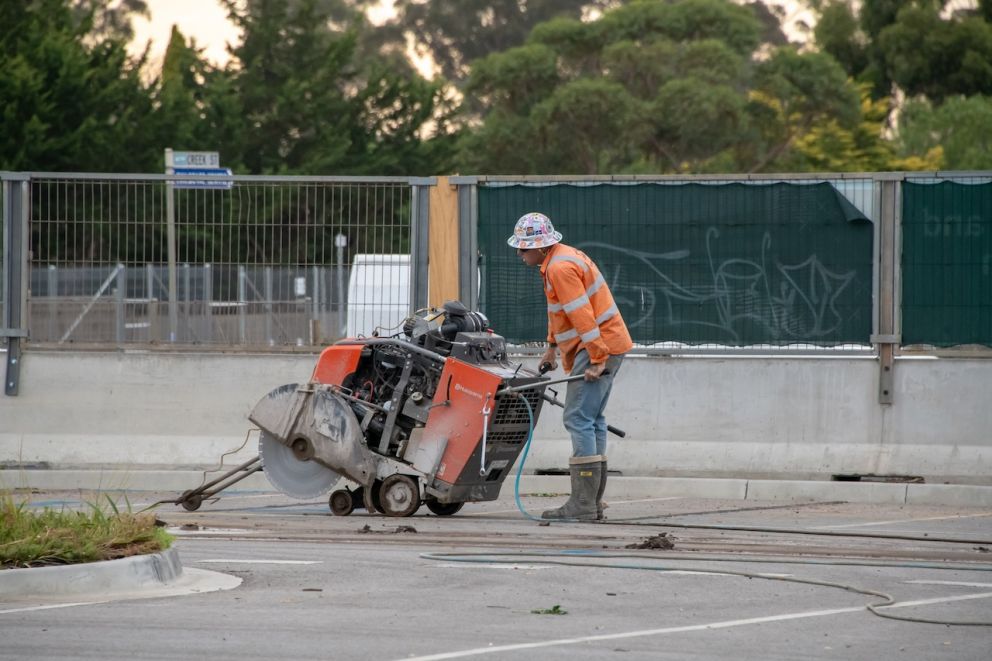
(584, 406)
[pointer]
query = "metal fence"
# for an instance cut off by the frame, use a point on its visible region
(743, 264)
(778, 263)
(947, 261)
(249, 261)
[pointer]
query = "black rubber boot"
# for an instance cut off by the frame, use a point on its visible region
(585, 473)
(600, 505)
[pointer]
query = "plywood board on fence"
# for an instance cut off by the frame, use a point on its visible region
(443, 254)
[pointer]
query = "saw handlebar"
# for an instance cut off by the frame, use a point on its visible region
(554, 400)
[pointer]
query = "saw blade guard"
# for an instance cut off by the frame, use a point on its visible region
(316, 426)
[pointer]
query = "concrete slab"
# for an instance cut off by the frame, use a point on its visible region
(120, 575)
(949, 494)
(851, 492)
(138, 577)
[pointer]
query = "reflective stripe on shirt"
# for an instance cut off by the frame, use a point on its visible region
(567, 335)
(569, 258)
(610, 313)
(591, 335)
(581, 300)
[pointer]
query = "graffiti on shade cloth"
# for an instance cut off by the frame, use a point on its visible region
(778, 301)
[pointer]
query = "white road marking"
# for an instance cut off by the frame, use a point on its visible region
(962, 583)
(612, 502)
(467, 565)
(938, 600)
(178, 530)
(259, 562)
(49, 606)
(885, 523)
(726, 624)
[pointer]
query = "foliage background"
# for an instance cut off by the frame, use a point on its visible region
(536, 87)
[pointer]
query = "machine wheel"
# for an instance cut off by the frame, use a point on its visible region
(399, 495)
(444, 509)
(191, 502)
(341, 502)
(370, 498)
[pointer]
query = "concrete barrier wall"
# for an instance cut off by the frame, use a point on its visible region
(746, 417)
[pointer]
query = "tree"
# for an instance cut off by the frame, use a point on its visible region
(194, 105)
(925, 54)
(957, 131)
(109, 19)
(839, 34)
(71, 100)
(651, 86)
(911, 44)
(457, 32)
(311, 106)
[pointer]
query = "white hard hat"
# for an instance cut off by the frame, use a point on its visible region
(534, 230)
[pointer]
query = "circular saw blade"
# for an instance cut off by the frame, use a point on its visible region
(297, 479)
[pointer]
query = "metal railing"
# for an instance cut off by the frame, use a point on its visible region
(238, 260)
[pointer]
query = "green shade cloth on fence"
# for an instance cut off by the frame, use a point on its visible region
(947, 264)
(730, 264)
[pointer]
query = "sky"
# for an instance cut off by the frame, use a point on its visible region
(206, 22)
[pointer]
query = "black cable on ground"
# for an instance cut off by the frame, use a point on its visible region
(793, 531)
(543, 558)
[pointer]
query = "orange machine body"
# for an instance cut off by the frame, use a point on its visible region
(335, 363)
(468, 391)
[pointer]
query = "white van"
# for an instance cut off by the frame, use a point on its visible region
(378, 294)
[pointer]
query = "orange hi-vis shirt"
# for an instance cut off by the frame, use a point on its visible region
(581, 311)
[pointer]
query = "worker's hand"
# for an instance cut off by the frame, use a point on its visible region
(593, 372)
(550, 357)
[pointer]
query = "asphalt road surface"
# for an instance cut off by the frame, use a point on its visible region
(490, 583)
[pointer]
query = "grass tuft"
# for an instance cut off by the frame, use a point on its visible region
(30, 538)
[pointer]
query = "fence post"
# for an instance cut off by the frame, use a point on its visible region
(170, 236)
(886, 337)
(208, 294)
(316, 293)
(120, 298)
(13, 323)
(268, 305)
(53, 300)
(187, 296)
(468, 240)
(419, 242)
(242, 304)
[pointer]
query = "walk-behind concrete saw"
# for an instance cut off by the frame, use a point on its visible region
(436, 415)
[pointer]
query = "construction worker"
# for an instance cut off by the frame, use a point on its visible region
(584, 323)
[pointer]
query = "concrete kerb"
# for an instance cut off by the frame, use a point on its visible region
(620, 487)
(111, 576)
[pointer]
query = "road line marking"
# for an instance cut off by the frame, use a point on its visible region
(612, 502)
(49, 606)
(884, 523)
(938, 600)
(962, 583)
(726, 624)
(465, 565)
(259, 562)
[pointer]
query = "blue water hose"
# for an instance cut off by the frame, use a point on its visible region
(523, 459)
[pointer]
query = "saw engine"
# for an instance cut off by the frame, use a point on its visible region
(436, 415)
